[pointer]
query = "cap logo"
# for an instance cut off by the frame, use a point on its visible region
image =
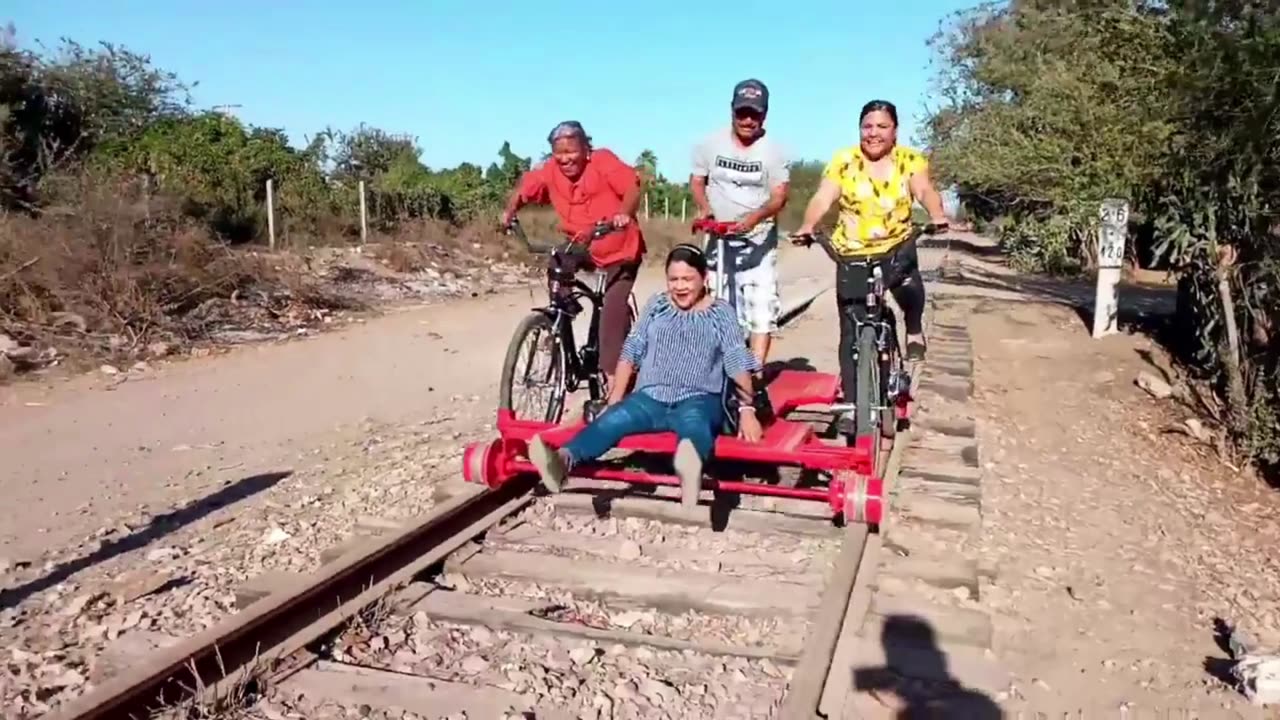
(750, 93)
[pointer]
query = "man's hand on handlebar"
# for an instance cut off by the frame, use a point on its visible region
(621, 220)
(600, 229)
(743, 226)
(712, 226)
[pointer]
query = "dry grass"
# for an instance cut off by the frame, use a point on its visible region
(107, 278)
(414, 246)
(231, 699)
(660, 235)
(114, 279)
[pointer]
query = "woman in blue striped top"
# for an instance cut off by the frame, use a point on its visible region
(685, 344)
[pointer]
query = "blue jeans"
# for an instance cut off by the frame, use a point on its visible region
(697, 419)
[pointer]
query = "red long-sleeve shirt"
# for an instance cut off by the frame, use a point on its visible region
(596, 195)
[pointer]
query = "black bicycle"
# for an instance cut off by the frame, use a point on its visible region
(551, 329)
(881, 375)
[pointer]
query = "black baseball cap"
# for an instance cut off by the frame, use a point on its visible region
(751, 94)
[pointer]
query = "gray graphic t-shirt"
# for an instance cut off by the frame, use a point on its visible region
(740, 179)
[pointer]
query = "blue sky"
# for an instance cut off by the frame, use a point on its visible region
(465, 75)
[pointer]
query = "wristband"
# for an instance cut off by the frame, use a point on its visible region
(746, 409)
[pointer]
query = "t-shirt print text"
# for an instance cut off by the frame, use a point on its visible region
(741, 172)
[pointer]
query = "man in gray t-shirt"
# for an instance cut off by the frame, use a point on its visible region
(741, 176)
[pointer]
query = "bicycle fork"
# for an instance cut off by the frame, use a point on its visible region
(597, 381)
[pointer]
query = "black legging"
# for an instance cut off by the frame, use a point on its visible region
(901, 271)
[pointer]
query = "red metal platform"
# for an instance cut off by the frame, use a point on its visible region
(853, 490)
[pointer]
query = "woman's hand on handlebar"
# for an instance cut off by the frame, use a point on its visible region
(620, 221)
(935, 226)
(803, 236)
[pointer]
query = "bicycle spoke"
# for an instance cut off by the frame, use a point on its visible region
(549, 381)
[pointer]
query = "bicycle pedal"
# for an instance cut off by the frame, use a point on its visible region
(900, 384)
(591, 410)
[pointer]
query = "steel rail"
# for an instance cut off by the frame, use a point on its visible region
(285, 622)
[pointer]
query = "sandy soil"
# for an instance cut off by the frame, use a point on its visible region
(1114, 542)
(1116, 539)
(87, 450)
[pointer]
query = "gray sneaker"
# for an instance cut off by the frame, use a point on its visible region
(550, 464)
(689, 470)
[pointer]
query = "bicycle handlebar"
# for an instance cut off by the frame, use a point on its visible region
(712, 226)
(917, 230)
(599, 230)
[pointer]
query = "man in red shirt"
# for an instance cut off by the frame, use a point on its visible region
(586, 185)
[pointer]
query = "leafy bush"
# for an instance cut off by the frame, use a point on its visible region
(1052, 106)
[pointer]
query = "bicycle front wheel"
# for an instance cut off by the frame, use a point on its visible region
(535, 339)
(867, 414)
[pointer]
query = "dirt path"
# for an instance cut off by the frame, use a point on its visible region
(1111, 543)
(91, 449)
(368, 423)
(1113, 540)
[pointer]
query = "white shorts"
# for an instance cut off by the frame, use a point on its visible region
(757, 294)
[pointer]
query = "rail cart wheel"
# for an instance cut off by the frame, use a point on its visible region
(862, 501)
(480, 463)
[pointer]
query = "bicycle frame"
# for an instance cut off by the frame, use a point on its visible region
(582, 364)
(878, 316)
(714, 234)
(717, 234)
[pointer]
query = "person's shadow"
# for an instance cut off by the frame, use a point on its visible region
(915, 671)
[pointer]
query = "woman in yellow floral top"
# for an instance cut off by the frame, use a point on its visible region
(876, 183)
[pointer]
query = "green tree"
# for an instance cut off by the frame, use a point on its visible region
(806, 175)
(647, 165)
(1049, 107)
(54, 111)
(218, 166)
(1052, 105)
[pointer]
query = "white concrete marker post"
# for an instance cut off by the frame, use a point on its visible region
(364, 217)
(1113, 229)
(271, 214)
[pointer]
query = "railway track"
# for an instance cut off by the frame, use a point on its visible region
(607, 603)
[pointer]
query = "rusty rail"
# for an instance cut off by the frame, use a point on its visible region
(285, 622)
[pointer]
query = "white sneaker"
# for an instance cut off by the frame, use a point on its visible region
(689, 470)
(550, 464)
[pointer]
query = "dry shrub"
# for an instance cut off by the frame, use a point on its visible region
(541, 226)
(662, 234)
(114, 273)
(400, 257)
(417, 245)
